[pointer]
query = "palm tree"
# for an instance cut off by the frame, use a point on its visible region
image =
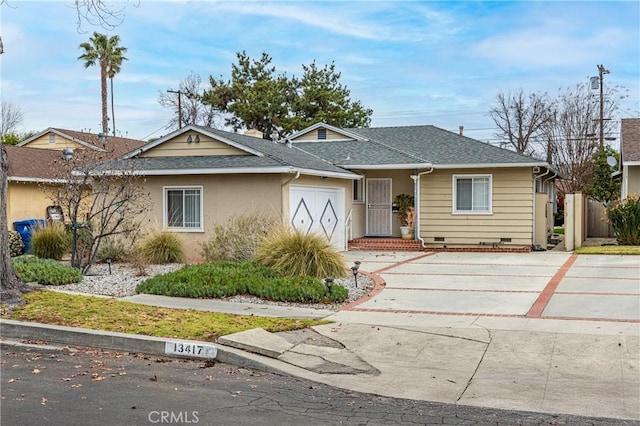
(104, 51)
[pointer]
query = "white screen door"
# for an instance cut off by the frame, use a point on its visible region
(379, 207)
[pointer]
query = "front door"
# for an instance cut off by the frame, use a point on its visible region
(379, 207)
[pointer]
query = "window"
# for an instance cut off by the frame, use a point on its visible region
(322, 134)
(52, 138)
(358, 192)
(472, 194)
(183, 208)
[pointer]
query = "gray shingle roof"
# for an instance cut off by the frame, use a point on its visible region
(413, 145)
(275, 157)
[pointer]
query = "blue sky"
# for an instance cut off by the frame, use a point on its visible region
(412, 62)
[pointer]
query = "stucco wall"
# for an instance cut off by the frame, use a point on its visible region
(632, 176)
(25, 201)
(512, 215)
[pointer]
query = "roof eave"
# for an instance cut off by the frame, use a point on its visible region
(386, 166)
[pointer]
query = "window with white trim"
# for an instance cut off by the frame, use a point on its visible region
(183, 208)
(472, 194)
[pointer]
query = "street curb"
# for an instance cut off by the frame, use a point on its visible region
(140, 344)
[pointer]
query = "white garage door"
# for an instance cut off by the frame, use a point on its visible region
(319, 210)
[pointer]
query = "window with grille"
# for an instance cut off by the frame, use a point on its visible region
(472, 194)
(183, 208)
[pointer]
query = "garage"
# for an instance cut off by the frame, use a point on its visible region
(319, 210)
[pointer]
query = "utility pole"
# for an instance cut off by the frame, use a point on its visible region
(602, 71)
(180, 93)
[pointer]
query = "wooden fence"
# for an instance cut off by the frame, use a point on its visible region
(596, 221)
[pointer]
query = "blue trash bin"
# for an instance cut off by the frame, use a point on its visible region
(25, 228)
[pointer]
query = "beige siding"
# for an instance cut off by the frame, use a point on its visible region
(313, 136)
(60, 143)
(512, 214)
(179, 147)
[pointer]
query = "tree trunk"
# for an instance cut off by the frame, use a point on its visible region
(103, 92)
(113, 111)
(11, 288)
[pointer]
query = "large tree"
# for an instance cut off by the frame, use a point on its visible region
(256, 97)
(11, 288)
(321, 98)
(103, 51)
(519, 118)
(571, 131)
(187, 104)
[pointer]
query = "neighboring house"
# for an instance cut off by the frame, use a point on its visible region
(341, 183)
(32, 167)
(630, 154)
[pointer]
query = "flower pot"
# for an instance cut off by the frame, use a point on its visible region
(406, 233)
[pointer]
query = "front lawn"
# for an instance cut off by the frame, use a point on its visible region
(99, 313)
(608, 250)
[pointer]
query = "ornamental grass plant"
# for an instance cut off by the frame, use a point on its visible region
(163, 247)
(51, 242)
(296, 253)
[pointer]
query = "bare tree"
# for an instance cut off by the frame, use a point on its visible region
(188, 105)
(519, 118)
(570, 134)
(97, 204)
(11, 118)
(100, 13)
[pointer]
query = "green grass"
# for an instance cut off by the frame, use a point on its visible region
(99, 313)
(608, 250)
(227, 278)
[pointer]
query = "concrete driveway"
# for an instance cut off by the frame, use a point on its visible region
(451, 289)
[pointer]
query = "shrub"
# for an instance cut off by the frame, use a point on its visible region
(50, 242)
(226, 278)
(624, 217)
(293, 252)
(45, 271)
(237, 240)
(163, 247)
(16, 246)
(112, 248)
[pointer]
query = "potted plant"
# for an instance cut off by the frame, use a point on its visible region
(406, 214)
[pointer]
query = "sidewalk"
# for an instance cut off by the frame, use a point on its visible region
(511, 361)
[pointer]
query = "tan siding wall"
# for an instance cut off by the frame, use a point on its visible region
(224, 196)
(512, 216)
(60, 143)
(313, 136)
(179, 147)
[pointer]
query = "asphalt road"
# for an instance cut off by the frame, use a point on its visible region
(92, 387)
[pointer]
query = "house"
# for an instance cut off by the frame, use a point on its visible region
(342, 182)
(630, 155)
(199, 177)
(468, 194)
(32, 166)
